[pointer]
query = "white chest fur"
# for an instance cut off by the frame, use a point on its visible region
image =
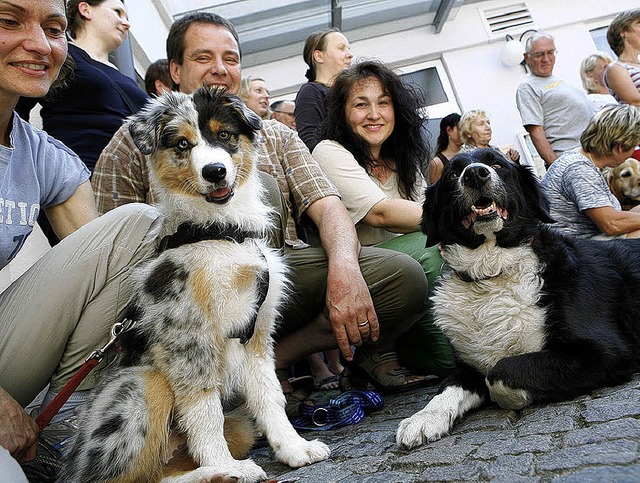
(496, 315)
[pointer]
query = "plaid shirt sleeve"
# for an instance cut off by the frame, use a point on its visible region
(301, 179)
(121, 174)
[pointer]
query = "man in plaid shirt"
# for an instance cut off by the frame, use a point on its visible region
(337, 287)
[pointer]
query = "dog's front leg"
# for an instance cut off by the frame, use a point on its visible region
(266, 402)
(200, 417)
(549, 375)
(456, 396)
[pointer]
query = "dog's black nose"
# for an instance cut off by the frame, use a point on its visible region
(214, 172)
(476, 176)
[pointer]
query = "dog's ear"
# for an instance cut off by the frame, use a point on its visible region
(431, 215)
(144, 126)
(609, 177)
(142, 133)
(534, 196)
(249, 118)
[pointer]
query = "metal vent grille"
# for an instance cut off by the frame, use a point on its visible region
(507, 19)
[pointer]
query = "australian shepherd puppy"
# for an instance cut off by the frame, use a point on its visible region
(532, 315)
(205, 309)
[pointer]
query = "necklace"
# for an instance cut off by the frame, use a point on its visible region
(591, 159)
(381, 171)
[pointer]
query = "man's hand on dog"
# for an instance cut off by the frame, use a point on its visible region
(18, 431)
(350, 306)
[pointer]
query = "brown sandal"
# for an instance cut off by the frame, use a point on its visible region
(396, 379)
(351, 380)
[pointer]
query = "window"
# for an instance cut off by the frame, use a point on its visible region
(434, 81)
(599, 36)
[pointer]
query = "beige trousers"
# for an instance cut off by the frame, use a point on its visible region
(63, 307)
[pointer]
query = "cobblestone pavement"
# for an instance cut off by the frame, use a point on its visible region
(594, 438)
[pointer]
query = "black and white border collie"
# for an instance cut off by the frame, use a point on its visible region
(532, 315)
(206, 308)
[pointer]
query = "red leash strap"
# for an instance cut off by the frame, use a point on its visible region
(45, 417)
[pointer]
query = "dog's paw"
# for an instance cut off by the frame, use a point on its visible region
(508, 397)
(302, 452)
(422, 427)
(245, 471)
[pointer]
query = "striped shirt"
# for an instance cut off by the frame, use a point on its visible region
(572, 185)
(634, 73)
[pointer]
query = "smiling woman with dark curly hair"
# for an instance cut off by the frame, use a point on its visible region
(374, 151)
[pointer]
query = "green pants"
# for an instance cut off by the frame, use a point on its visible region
(423, 347)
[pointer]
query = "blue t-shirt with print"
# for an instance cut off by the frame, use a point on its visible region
(35, 172)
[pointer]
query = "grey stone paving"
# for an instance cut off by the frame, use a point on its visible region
(594, 438)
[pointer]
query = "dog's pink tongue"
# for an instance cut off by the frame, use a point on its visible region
(219, 193)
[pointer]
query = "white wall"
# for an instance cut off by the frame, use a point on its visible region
(471, 57)
(149, 28)
(478, 77)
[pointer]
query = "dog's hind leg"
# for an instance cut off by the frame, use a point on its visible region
(457, 395)
(124, 429)
(266, 402)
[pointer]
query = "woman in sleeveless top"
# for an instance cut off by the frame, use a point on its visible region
(623, 76)
(448, 145)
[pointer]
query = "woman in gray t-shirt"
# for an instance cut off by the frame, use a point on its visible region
(580, 199)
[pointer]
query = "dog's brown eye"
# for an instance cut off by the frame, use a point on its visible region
(497, 166)
(224, 135)
(453, 176)
(182, 145)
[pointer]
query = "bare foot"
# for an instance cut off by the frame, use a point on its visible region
(323, 378)
(333, 361)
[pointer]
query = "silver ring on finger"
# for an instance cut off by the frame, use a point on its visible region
(363, 324)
